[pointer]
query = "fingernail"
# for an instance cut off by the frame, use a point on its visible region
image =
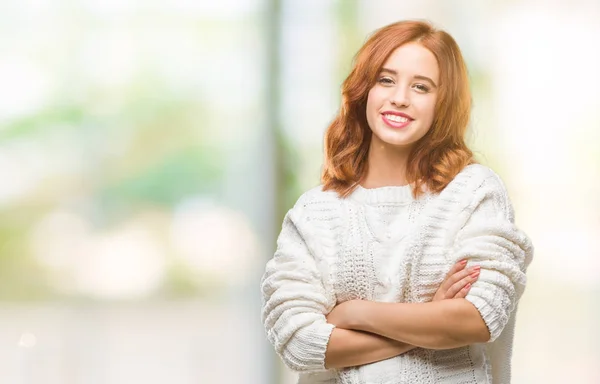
(463, 262)
(475, 274)
(477, 267)
(468, 286)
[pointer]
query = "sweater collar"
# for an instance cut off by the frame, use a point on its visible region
(383, 195)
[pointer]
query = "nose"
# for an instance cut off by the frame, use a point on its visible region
(400, 98)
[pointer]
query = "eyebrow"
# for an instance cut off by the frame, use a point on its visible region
(420, 77)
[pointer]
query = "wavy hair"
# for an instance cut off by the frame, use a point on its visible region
(441, 153)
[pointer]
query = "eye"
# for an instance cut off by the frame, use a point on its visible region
(385, 80)
(421, 87)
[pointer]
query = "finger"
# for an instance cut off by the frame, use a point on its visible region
(463, 292)
(455, 278)
(456, 267)
(457, 287)
(450, 279)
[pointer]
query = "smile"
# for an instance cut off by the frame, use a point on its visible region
(395, 121)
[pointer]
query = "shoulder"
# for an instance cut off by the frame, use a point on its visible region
(316, 197)
(318, 216)
(476, 175)
(315, 202)
(477, 183)
(474, 180)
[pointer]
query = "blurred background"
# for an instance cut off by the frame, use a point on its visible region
(149, 150)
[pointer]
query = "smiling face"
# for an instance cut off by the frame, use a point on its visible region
(401, 104)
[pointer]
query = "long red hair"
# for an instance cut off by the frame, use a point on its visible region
(438, 156)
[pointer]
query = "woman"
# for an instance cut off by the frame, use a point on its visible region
(367, 284)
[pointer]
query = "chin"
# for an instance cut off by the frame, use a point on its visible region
(400, 144)
(396, 141)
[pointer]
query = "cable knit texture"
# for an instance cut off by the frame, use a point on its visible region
(383, 245)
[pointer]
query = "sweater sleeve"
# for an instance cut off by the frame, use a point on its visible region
(295, 301)
(490, 239)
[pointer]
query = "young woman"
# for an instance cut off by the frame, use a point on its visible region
(405, 265)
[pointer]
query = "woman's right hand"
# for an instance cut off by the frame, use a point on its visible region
(458, 281)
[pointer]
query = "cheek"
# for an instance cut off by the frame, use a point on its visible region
(370, 101)
(375, 99)
(428, 109)
(432, 112)
(373, 106)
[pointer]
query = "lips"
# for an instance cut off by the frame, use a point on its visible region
(396, 120)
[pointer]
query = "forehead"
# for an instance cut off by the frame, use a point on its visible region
(413, 59)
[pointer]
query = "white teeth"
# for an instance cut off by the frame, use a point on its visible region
(397, 119)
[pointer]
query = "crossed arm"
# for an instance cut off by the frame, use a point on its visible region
(368, 331)
(490, 240)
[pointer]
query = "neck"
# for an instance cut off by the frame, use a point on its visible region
(386, 165)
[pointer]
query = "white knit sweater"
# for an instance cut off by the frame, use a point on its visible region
(382, 245)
